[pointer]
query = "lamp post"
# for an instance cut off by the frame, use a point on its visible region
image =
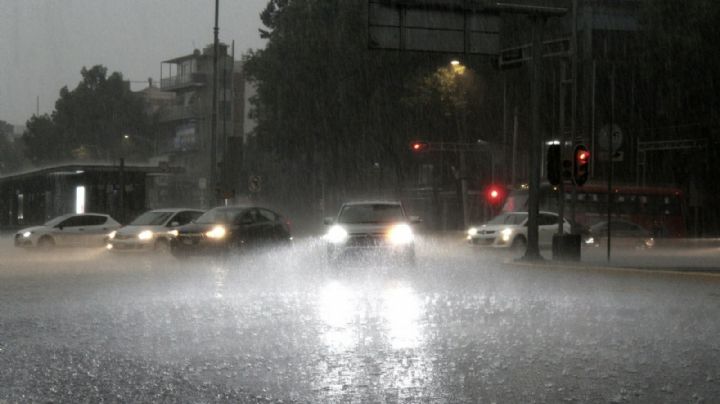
(458, 69)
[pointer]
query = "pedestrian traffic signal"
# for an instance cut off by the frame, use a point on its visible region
(581, 168)
(418, 146)
(553, 164)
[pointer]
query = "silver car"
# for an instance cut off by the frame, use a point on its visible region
(71, 230)
(376, 226)
(152, 230)
(509, 230)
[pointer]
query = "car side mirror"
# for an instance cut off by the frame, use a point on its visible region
(415, 219)
(245, 221)
(59, 227)
(174, 223)
(328, 220)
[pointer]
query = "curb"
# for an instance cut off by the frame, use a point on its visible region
(565, 265)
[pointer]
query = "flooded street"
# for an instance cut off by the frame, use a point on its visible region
(464, 325)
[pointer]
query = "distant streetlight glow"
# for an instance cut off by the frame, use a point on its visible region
(455, 62)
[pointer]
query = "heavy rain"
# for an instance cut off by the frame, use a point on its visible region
(418, 201)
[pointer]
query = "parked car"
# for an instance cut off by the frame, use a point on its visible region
(152, 230)
(231, 229)
(71, 230)
(377, 226)
(622, 232)
(509, 230)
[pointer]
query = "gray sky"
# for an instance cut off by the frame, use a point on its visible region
(45, 43)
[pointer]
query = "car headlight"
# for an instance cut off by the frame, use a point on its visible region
(472, 231)
(27, 234)
(173, 233)
(336, 235)
(217, 232)
(506, 233)
(145, 235)
(112, 234)
(400, 234)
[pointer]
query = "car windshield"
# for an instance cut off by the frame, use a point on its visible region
(371, 213)
(219, 216)
(508, 218)
(152, 218)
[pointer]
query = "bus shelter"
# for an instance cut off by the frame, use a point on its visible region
(32, 197)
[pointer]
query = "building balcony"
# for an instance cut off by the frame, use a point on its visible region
(178, 113)
(178, 82)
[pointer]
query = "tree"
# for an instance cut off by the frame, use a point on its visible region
(337, 116)
(90, 121)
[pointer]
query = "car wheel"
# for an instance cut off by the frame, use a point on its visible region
(46, 243)
(519, 244)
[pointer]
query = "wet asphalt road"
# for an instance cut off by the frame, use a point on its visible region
(463, 326)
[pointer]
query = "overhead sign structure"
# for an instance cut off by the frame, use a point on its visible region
(451, 26)
(516, 56)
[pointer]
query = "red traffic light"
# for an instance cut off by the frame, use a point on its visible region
(581, 165)
(419, 146)
(494, 194)
(583, 155)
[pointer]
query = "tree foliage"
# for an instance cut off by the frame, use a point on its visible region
(338, 116)
(89, 122)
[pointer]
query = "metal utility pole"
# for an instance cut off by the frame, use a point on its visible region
(538, 15)
(561, 185)
(574, 96)
(121, 195)
(533, 248)
(610, 152)
(213, 120)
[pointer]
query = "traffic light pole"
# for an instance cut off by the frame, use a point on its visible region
(533, 248)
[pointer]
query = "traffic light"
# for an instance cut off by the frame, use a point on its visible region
(553, 164)
(581, 167)
(494, 194)
(419, 146)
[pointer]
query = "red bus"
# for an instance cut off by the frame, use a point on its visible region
(661, 210)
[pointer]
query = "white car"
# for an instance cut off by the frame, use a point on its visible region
(509, 230)
(71, 230)
(375, 226)
(152, 230)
